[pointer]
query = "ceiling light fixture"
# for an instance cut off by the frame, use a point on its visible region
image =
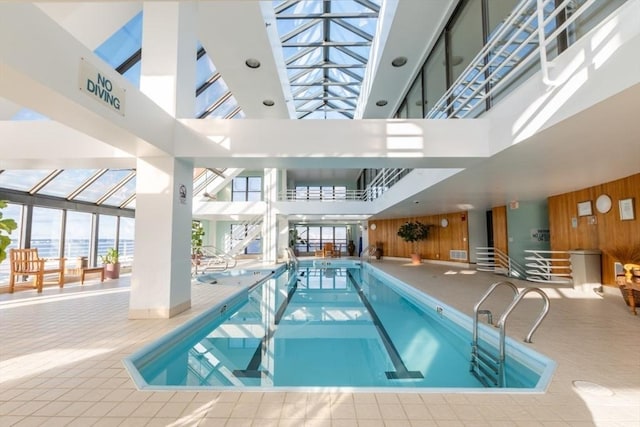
(381, 103)
(268, 102)
(252, 63)
(399, 61)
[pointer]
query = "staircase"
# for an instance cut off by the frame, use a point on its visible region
(495, 261)
(243, 234)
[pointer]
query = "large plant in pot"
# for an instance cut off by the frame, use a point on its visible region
(111, 263)
(413, 232)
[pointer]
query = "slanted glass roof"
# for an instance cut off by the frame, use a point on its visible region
(213, 98)
(326, 47)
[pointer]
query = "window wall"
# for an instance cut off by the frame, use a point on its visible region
(471, 26)
(313, 237)
(77, 237)
(246, 189)
(59, 232)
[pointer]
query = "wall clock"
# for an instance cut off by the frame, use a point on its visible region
(603, 203)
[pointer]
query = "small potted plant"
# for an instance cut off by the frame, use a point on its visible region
(197, 232)
(111, 264)
(412, 232)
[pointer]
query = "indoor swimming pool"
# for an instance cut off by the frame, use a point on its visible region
(328, 325)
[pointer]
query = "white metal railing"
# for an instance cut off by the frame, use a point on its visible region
(509, 51)
(210, 258)
(313, 195)
(383, 181)
(242, 234)
(368, 252)
(548, 266)
(496, 261)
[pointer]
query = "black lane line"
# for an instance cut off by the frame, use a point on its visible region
(253, 368)
(401, 372)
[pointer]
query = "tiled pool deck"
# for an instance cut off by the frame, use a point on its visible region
(61, 364)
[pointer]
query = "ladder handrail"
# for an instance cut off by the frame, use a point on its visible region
(503, 322)
(370, 248)
(476, 308)
(292, 257)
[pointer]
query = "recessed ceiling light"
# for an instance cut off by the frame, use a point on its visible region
(269, 102)
(382, 103)
(252, 63)
(399, 61)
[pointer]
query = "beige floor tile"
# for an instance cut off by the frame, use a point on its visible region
(583, 333)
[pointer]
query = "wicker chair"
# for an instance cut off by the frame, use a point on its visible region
(631, 287)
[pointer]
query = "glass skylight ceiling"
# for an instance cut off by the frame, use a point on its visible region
(326, 47)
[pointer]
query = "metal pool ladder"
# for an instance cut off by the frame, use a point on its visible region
(488, 368)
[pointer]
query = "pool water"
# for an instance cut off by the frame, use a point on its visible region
(321, 327)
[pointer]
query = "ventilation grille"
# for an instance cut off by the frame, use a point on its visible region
(458, 255)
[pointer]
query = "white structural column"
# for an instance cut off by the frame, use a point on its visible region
(160, 283)
(269, 224)
(169, 44)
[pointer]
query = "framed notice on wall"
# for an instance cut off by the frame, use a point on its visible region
(626, 209)
(584, 208)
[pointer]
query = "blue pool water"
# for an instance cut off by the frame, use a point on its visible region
(327, 326)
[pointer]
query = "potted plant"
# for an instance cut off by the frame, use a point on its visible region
(7, 225)
(197, 232)
(626, 254)
(412, 232)
(111, 264)
(295, 239)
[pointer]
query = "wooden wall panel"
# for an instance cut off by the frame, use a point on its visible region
(600, 230)
(436, 247)
(500, 239)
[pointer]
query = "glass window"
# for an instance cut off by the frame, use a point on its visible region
(498, 11)
(435, 73)
(593, 16)
(126, 238)
(14, 212)
(123, 43)
(22, 179)
(67, 182)
(246, 189)
(77, 238)
(465, 37)
(102, 185)
(107, 233)
(46, 229)
(122, 194)
(414, 99)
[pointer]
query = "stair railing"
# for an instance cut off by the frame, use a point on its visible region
(506, 54)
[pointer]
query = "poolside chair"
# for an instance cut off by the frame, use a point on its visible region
(26, 262)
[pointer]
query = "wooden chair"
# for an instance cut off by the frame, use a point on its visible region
(26, 262)
(331, 251)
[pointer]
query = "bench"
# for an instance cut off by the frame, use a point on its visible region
(90, 270)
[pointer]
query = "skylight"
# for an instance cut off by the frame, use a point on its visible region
(326, 47)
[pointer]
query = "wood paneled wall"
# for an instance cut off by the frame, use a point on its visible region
(441, 240)
(600, 230)
(499, 218)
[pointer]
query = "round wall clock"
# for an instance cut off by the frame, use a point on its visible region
(373, 226)
(444, 222)
(603, 203)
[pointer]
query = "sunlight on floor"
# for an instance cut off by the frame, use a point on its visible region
(33, 364)
(56, 298)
